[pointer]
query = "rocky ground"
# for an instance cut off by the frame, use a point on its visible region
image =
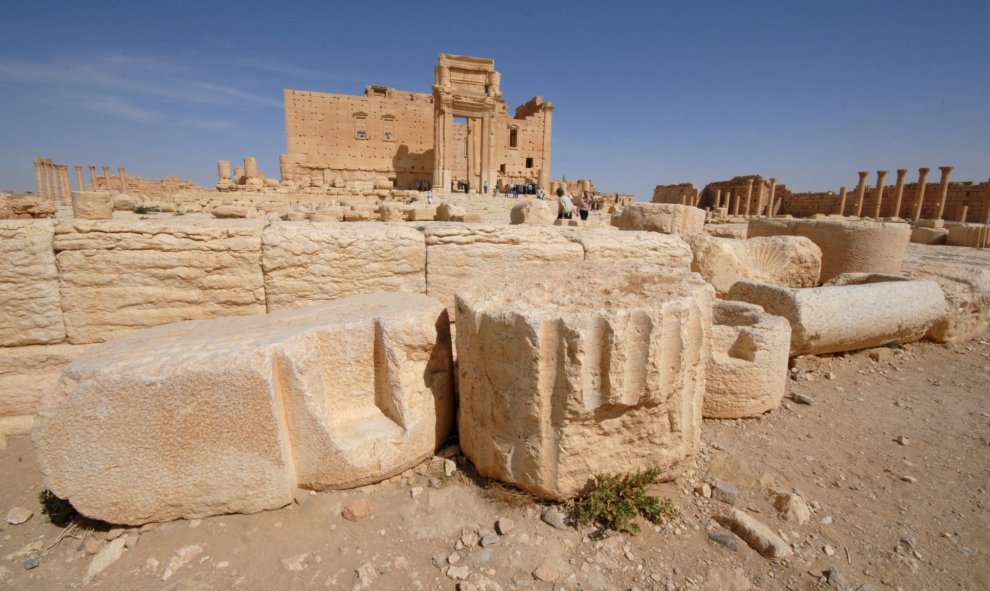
(875, 473)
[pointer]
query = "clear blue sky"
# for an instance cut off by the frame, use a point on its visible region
(645, 92)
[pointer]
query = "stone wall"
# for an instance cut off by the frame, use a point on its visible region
(975, 196)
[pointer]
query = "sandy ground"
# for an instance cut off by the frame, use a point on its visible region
(893, 457)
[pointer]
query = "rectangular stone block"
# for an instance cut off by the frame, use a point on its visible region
(27, 374)
(29, 294)
(456, 254)
(309, 263)
(116, 277)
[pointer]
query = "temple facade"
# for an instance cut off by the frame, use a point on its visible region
(460, 134)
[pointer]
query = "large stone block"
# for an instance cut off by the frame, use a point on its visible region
(602, 245)
(92, 205)
(537, 212)
(116, 277)
(29, 296)
(573, 372)
(787, 261)
(847, 246)
(973, 235)
(855, 311)
(309, 263)
(456, 254)
(26, 375)
(666, 218)
(747, 368)
(230, 415)
(964, 276)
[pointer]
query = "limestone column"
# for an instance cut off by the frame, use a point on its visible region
(876, 207)
(37, 178)
(965, 212)
(943, 189)
(250, 167)
(49, 180)
(899, 191)
(718, 198)
(749, 194)
(66, 187)
(123, 179)
(79, 177)
(56, 182)
(842, 201)
(735, 205)
(986, 213)
(92, 177)
(860, 192)
(920, 197)
(773, 191)
(106, 177)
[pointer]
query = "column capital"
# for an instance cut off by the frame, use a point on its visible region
(924, 170)
(863, 173)
(946, 169)
(902, 171)
(882, 173)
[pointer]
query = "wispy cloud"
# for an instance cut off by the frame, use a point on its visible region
(120, 108)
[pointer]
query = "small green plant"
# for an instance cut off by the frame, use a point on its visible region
(59, 511)
(616, 499)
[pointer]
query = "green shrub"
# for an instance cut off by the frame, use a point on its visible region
(59, 511)
(616, 499)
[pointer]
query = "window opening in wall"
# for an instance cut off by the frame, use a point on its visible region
(513, 138)
(529, 163)
(361, 126)
(501, 169)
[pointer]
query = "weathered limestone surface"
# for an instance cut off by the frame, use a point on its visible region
(117, 277)
(747, 368)
(538, 212)
(964, 276)
(29, 296)
(858, 311)
(847, 246)
(456, 254)
(447, 212)
(787, 261)
(666, 218)
(26, 375)
(603, 245)
(230, 415)
(973, 235)
(309, 263)
(92, 205)
(554, 390)
(923, 235)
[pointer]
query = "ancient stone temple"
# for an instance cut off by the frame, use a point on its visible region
(460, 134)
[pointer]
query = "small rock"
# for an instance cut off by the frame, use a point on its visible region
(793, 508)
(470, 539)
(902, 440)
(881, 355)
(547, 572)
(725, 492)
(480, 556)
(114, 533)
(802, 398)
(18, 515)
(755, 533)
(554, 517)
(454, 558)
(504, 525)
(727, 541)
(828, 550)
(366, 575)
(489, 539)
(465, 586)
(439, 560)
(458, 573)
(830, 376)
(356, 510)
(295, 563)
(703, 490)
(909, 479)
(449, 467)
(131, 540)
(31, 563)
(837, 581)
(91, 545)
(105, 557)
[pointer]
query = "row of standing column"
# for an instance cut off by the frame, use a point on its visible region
(52, 179)
(898, 193)
(734, 201)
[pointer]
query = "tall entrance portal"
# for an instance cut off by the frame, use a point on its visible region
(465, 98)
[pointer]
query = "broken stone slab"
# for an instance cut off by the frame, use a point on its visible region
(787, 261)
(306, 264)
(606, 246)
(857, 311)
(964, 276)
(747, 366)
(920, 235)
(233, 212)
(847, 246)
(755, 533)
(29, 289)
(229, 415)
(554, 391)
(458, 254)
(446, 212)
(537, 212)
(666, 218)
(92, 205)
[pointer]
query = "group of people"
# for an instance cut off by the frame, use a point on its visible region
(566, 206)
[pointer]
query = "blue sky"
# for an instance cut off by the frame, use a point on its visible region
(645, 92)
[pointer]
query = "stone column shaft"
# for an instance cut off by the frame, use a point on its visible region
(773, 191)
(860, 192)
(37, 178)
(899, 191)
(965, 212)
(92, 177)
(943, 189)
(79, 177)
(106, 177)
(842, 201)
(920, 197)
(123, 179)
(876, 206)
(749, 194)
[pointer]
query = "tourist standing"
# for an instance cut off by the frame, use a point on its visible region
(485, 187)
(429, 196)
(585, 206)
(565, 208)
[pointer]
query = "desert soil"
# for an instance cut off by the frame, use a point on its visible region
(892, 455)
